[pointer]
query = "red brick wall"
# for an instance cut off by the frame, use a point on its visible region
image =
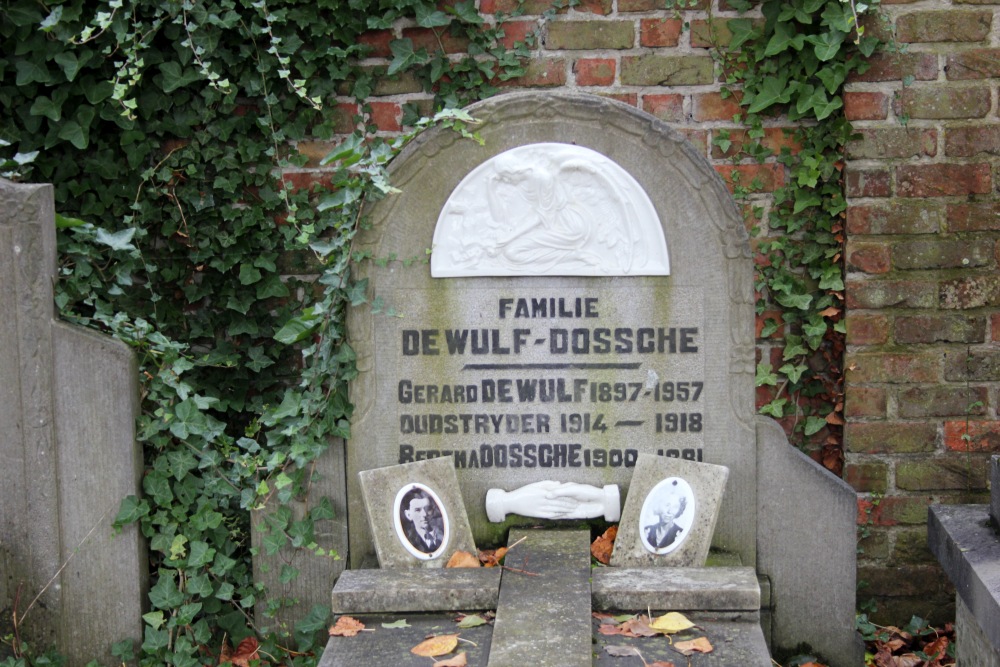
(922, 284)
(922, 288)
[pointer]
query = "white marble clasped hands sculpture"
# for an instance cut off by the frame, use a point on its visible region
(555, 500)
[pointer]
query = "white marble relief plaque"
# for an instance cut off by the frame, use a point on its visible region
(549, 209)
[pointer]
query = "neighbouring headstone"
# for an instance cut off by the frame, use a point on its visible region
(670, 514)
(68, 403)
(589, 299)
(416, 513)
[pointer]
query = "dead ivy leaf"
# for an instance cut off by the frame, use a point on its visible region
(907, 660)
(603, 546)
(492, 557)
(471, 621)
(622, 651)
(462, 559)
(458, 661)
(699, 645)
(671, 622)
(638, 627)
(609, 629)
(225, 653)
(401, 623)
(937, 648)
(346, 627)
(436, 645)
(245, 652)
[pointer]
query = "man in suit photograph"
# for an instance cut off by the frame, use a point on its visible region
(421, 521)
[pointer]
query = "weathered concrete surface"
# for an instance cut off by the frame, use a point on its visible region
(807, 547)
(971, 644)
(677, 589)
(317, 574)
(68, 401)
(390, 647)
(382, 591)
(543, 618)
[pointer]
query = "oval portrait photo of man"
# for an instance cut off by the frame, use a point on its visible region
(666, 515)
(421, 521)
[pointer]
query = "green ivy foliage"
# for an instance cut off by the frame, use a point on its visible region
(167, 128)
(794, 62)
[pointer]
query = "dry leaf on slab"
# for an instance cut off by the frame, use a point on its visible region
(470, 621)
(609, 629)
(346, 627)
(457, 661)
(671, 622)
(699, 645)
(435, 646)
(662, 663)
(492, 557)
(602, 547)
(638, 627)
(462, 559)
(622, 651)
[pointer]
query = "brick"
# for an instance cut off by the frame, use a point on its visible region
(659, 70)
(776, 320)
(944, 26)
(970, 141)
(899, 217)
(877, 294)
(894, 142)
(436, 40)
(902, 510)
(306, 180)
(975, 64)
(377, 42)
(893, 368)
(651, 5)
(874, 545)
(945, 473)
(659, 32)
(867, 329)
(518, 31)
(865, 401)
(315, 151)
(942, 180)
(942, 254)
(890, 437)
(774, 139)
(529, 7)
(896, 66)
(715, 106)
(631, 99)
(756, 177)
(983, 436)
(995, 327)
(867, 477)
(867, 257)
(911, 547)
(698, 138)
(973, 366)
(713, 34)
(941, 401)
(600, 7)
(594, 71)
(868, 182)
(387, 116)
(577, 35)
(943, 102)
(939, 329)
(972, 292)
(669, 107)
(866, 106)
(541, 73)
(398, 84)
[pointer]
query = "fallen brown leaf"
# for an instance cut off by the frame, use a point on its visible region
(662, 663)
(462, 559)
(492, 557)
(638, 627)
(346, 627)
(458, 661)
(622, 651)
(245, 652)
(435, 646)
(225, 653)
(602, 547)
(699, 645)
(609, 629)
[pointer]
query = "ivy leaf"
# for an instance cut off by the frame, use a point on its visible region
(51, 20)
(174, 77)
(121, 240)
(784, 37)
(297, 328)
(793, 371)
(765, 376)
(249, 274)
(813, 425)
(69, 62)
(43, 106)
(743, 30)
(427, 17)
(466, 11)
(773, 91)
(29, 71)
(799, 301)
(827, 45)
(401, 623)
(775, 408)
(64, 222)
(341, 197)
(403, 55)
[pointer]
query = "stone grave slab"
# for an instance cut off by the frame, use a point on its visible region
(670, 513)
(682, 589)
(543, 617)
(376, 591)
(416, 513)
(735, 643)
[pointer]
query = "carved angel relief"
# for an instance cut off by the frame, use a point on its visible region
(549, 210)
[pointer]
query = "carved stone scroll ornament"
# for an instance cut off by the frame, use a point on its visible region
(549, 209)
(555, 500)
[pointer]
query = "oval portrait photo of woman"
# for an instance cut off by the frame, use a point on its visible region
(421, 521)
(666, 516)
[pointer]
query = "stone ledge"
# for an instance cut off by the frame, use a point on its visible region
(701, 588)
(384, 591)
(968, 548)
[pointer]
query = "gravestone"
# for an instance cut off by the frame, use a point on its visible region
(68, 456)
(588, 300)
